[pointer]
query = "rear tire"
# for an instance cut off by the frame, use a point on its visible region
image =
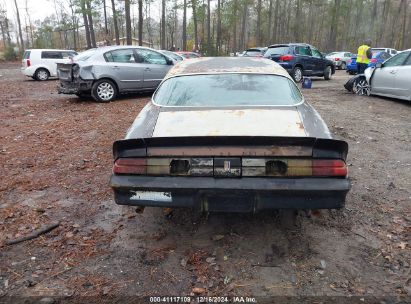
(343, 66)
(42, 74)
(297, 74)
(327, 73)
(104, 90)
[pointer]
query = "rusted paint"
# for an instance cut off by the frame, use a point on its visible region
(250, 122)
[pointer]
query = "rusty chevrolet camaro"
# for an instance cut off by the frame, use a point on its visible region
(229, 134)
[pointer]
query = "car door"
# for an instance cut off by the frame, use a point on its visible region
(49, 59)
(382, 81)
(305, 58)
(402, 80)
(155, 66)
(123, 67)
(318, 61)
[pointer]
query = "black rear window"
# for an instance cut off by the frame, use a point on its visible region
(278, 50)
(26, 55)
(51, 55)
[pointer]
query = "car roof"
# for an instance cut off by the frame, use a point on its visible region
(220, 65)
(55, 50)
(290, 44)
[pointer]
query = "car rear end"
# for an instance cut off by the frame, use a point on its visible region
(27, 64)
(352, 65)
(70, 80)
(235, 174)
(284, 55)
(337, 59)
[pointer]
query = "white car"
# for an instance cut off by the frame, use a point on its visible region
(390, 51)
(41, 64)
(340, 59)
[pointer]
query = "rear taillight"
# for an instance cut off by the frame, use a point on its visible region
(373, 60)
(28, 62)
(329, 167)
(130, 166)
(286, 57)
(337, 59)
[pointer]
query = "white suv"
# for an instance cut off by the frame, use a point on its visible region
(40, 64)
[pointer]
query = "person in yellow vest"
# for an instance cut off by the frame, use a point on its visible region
(363, 56)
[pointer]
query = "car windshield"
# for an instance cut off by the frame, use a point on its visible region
(278, 50)
(333, 53)
(222, 90)
(83, 56)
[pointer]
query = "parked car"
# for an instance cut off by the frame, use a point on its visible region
(188, 55)
(391, 78)
(340, 59)
(390, 51)
(41, 64)
(172, 55)
(229, 134)
(255, 52)
(108, 71)
(377, 57)
(300, 59)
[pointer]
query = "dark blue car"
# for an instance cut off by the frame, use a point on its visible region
(300, 59)
(377, 57)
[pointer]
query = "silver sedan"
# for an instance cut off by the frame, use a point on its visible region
(110, 71)
(391, 78)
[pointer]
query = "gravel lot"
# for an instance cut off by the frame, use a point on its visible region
(55, 156)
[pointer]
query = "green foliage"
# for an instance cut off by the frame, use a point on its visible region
(10, 54)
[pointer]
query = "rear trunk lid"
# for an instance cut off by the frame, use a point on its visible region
(225, 122)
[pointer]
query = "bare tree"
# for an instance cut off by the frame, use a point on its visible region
(185, 25)
(90, 23)
(19, 25)
(115, 23)
(128, 22)
(140, 22)
(258, 30)
(194, 7)
(163, 24)
(208, 27)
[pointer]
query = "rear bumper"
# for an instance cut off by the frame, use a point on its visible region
(231, 194)
(74, 87)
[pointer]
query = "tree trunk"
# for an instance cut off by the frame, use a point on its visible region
(3, 34)
(297, 29)
(274, 36)
(128, 22)
(185, 26)
(208, 28)
(90, 24)
(258, 30)
(235, 27)
(332, 38)
(270, 23)
(86, 26)
(19, 26)
(243, 43)
(163, 24)
(218, 44)
(193, 4)
(404, 25)
(116, 33)
(105, 23)
(140, 22)
(372, 31)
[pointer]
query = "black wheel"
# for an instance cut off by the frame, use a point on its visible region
(104, 90)
(327, 73)
(361, 87)
(42, 74)
(343, 66)
(297, 74)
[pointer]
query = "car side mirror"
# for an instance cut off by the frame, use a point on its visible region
(378, 65)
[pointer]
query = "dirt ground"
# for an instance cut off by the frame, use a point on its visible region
(55, 156)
